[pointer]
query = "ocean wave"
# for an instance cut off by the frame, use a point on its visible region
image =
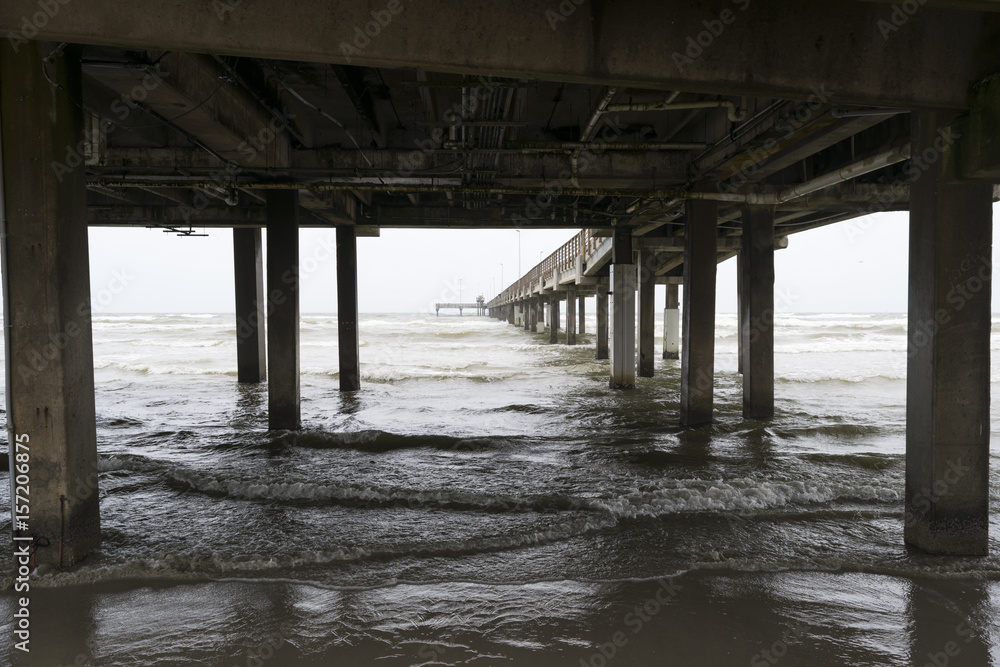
(377, 374)
(162, 369)
(379, 441)
(835, 379)
(186, 566)
(936, 568)
(665, 497)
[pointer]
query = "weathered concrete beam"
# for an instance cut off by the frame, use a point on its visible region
(757, 312)
(51, 423)
(647, 316)
(347, 309)
(698, 349)
(554, 319)
(979, 147)
(284, 410)
(602, 322)
(623, 286)
(191, 92)
(767, 48)
(948, 367)
(251, 306)
(607, 167)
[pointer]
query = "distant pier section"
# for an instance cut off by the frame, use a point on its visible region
(479, 306)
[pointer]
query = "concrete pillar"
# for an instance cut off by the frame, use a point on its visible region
(698, 350)
(526, 314)
(534, 315)
(757, 307)
(571, 316)
(347, 309)
(623, 284)
(948, 368)
(553, 319)
(283, 317)
(741, 301)
(647, 311)
(51, 424)
(602, 321)
(251, 306)
(581, 308)
(671, 324)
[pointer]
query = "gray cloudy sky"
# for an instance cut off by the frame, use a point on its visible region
(855, 266)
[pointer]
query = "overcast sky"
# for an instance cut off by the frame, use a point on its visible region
(854, 266)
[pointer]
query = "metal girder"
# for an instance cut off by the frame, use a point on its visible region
(612, 168)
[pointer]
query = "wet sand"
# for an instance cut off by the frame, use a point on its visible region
(697, 618)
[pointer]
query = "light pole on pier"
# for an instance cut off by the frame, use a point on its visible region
(518, 252)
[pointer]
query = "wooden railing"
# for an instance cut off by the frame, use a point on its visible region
(562, 260)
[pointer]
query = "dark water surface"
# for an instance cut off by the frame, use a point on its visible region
(486, 499)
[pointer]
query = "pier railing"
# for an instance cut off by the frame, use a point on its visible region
(562, 260)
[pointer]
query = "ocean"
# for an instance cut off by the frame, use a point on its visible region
(486, 499)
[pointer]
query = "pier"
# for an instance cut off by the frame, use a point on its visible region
(479, 306)
(668, 137)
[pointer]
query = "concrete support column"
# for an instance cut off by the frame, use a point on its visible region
(347, 309)
(647, 311)
(948, 369)
(740, 307)
(283, 317)
(51, 424)
(581, 309)
(571, 316)
(526, 314)
(553, 319)
(671, 324)
(698, 350)
(623, 284)
(534, 315)
(757, 308)
(251, 306)
(602, 321)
